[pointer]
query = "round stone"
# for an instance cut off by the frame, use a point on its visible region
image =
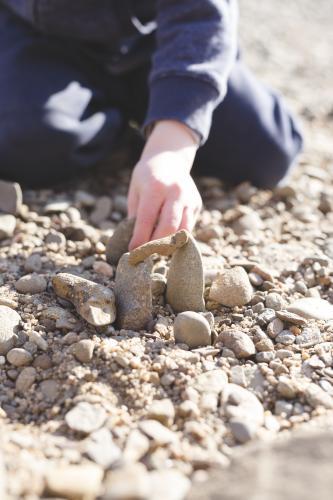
(83, 350)
(232, 288)
(274, 301)
(85, 417)
(239, 342)
(9, 321)
(192, 329)
(25, 379)
(31, 283)
(19, 357)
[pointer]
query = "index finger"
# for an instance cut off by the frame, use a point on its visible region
(146, 218)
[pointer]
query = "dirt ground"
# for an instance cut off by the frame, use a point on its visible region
(77, 418)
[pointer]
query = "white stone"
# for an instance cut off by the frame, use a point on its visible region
(312, 308)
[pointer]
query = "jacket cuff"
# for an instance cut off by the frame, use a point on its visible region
(184, 99)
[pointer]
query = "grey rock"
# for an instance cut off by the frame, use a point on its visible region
(309, 337)
(285, 338)
(283, 408)
(102, 210)
(119, 241)
(312, 308)
(185, 286)
(267, 316)
(291, 317)
(85, 417)
(31, 283)
(94, 302)
(243, 431)
(239, 342)
(133, 293)
(274, 301)
(287, 387)
(250, 222)
(265, 356)
(316, 396)
(83, 350)
(55, 238)
(25, 379)
(305, 460)
(33, 264)
(9, 322)
(7, 226)
(193, 329)
(19, 357)
(10, 197)
(232, 288)
(274, 328)
(50, 389)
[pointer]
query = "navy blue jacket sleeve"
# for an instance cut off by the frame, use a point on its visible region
(196, 47)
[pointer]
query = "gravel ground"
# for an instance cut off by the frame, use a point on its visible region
(92, 411)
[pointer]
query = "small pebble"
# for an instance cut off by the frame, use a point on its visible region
(19, 357)
(9, 322)
(239, 342)
(285, 338)
(192, 329)
(31, 283)
(83, 350)
(85, 417)
(232, 288)
(25, 379)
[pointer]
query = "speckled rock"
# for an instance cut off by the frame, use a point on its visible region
(133, 293)
(31, 283)
(9, 322)
(185, 284)
(94, 302)
(239, 342)
(193, 329)
(312, 308)
(232, 288)
(119, 241)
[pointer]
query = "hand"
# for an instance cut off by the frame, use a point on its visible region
(162, 194)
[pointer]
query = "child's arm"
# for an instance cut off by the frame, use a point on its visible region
(196, 47)
(162, 195)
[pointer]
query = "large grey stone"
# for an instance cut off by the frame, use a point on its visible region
(185, 284)
(119, 241)
(133, 293)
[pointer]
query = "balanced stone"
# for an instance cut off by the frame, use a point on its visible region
(10, 197)
(232, 288)
(239, 342)
(133, 293)
(119, 241)
(312, 308)
(9, 321)
(94, 302)
(185, 285)
(192, 329)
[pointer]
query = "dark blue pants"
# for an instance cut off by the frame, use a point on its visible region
(62, 113)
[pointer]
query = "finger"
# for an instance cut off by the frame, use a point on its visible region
(170, 219)
(132, 201)
(146, 217)
(188, 219)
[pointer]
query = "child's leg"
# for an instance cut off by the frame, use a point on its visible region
(253, 135)
(55, 118)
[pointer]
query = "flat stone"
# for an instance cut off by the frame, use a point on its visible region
(25, 379)
(312, 308)
(185, 286)
(274, 328)
(74, 482)
(9, 322)
(83, 350)
(192, 329)
(37, 339)
(212, 381)
(31, 283)
(133, 293)
(7, 226)
(162, 410)
(85, 417)
(255, 474)
(158, 433)
(94, 302)
(290, 317)
(232, 288)
(239, 342)
(101, 449)
(10, 197)
(243, 431)
(128, 483)
(19, 357)
(119, 241)
(286, 337)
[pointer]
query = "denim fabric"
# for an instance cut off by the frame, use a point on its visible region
(62, 111)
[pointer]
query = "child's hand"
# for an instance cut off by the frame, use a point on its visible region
(162, 194)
